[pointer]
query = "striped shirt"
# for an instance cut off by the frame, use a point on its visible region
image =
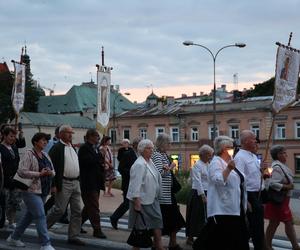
(161, 159)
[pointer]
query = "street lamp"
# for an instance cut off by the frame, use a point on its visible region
(114, 140)
(214, 57)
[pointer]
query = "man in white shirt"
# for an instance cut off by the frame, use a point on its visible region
(66, 184)
(246, 161)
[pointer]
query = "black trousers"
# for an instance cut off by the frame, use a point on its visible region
(2, 209)
(256, 220)
(91, 209)
(223, 232)
(122, 209)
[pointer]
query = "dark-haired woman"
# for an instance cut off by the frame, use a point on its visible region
(10, 198)
(35, 165)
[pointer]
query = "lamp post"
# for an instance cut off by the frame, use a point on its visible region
(214, 57)
(117, 95)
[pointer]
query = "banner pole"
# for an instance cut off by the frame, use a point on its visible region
(269, 138)
(290, 38)
(16, 121)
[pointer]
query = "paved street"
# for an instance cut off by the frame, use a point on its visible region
(116, 239)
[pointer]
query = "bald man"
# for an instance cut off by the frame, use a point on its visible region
(247, 162)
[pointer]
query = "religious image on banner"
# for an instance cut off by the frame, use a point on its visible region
(286, 78)
(18, 93)
(103, 98)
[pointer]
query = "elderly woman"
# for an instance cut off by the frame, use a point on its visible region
(196, 206)
(35, 165)
(226, 200)
(172, 218)
(109, 168)
(281, 180)
(143, 193)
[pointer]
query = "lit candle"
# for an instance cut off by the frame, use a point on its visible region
(270, 170)
(230, 152)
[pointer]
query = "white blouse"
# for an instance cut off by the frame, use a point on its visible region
(199, 177)
(223, 197)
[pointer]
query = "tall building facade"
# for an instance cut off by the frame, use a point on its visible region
(191, 125)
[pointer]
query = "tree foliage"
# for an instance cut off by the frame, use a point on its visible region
(6, 109)
(265, 89)
(32, 93)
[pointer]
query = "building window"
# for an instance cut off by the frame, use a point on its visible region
(255, 129)
(159, 131)
(234, 131)
(210, 131)
(194, 134)
(297, 164)
(126, 133)
(280, 131)
(113, 135)
(297, 130)
(143, 133)
(174, 134)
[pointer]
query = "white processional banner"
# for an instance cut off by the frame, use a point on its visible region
(18, 93)
(103, 98)
(286, 78)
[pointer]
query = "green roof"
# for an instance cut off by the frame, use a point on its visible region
(54, 120)
(80, 98)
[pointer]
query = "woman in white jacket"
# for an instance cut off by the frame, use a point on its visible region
(143, 193)
(226, 200)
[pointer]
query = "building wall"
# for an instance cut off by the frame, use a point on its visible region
(243, 119)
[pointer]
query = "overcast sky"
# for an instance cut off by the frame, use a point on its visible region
(143, 41)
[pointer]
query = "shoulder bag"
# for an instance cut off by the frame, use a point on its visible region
(277, 197)
(175, 185)
(21, 183)
(140, 237)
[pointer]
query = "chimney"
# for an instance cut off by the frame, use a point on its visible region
(194, 94)
(183, 95)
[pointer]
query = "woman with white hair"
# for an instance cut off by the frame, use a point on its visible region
(196, 205)
(172, 218)
(226, 201)
(143, 193)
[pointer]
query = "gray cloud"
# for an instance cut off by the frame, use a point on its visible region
(143, 39)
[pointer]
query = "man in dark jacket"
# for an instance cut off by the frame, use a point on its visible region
(126, 160)
(91, 164)
(66, 184)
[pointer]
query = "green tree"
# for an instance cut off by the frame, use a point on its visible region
(265, 89)
(32, 93)
(6, 109)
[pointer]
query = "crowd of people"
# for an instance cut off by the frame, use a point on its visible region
(225, 207)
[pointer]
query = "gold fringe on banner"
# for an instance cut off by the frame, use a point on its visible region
(102, 130)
